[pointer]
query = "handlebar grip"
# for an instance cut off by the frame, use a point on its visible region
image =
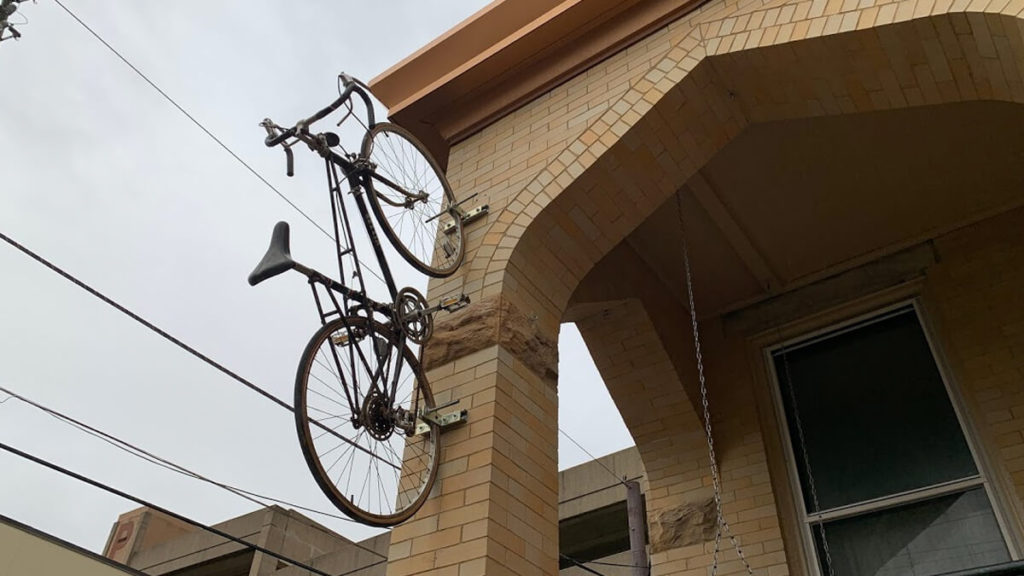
(330, 107)
(348, 80)
(272, 140)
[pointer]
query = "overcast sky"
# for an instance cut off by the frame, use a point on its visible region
(102, 176)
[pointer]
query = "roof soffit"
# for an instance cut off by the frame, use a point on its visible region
(507, 54)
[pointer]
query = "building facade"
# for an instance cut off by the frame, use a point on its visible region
(845, 179)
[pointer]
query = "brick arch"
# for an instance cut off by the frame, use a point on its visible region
(765, 62)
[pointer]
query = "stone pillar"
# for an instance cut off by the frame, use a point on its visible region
(494, 507)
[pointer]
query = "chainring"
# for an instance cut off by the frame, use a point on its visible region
(410, 307)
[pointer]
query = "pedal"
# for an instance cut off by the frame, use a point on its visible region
(342, 339)
(453, 303)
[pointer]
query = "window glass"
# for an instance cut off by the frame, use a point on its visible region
(945, 534)
(876, 417)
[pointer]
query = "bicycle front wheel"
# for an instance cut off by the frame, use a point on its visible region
(361, 447)
(413, 201)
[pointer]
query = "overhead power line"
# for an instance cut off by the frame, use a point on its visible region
(220, 367)
(207, 360)
(146, 323)
(594, 458)
(193, 119)
(175, 515)
(248, 495)
(227, 149)
(205, 130)
(180, 344)
(579, 564)
(221, 533)
(147, 456)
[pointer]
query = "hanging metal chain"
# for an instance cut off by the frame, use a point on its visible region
(807, 461)
(722, 525)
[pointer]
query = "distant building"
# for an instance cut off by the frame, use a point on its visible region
(158, 545)
(594, 527)
(26, 551)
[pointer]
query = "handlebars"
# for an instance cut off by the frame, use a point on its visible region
(275, 137)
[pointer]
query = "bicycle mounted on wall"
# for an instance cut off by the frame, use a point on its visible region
(366, 418)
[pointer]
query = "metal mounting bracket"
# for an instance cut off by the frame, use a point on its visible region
(467, 217)
(442, 420)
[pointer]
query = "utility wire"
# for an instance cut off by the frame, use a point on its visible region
(167, 464)
(598, 490)
(174, 340)
(579, 564)
(147, 323)
(251, 496)
(181, 344)
(205, 130)
(175, 515)
(193, 119)
(222, 534)
(594, 458)
(599, 563)
(231, 374)
(205, 359)
(262, 179)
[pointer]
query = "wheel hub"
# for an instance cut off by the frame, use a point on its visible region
(377, 417)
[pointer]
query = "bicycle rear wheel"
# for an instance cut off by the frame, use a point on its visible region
(413, 201)
(362, 458)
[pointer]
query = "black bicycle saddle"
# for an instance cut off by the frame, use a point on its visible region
(278, 258)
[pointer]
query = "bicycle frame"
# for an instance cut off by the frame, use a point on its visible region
(356, 172)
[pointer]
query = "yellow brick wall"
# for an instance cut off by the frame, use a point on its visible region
(494, 507)
(976, 297)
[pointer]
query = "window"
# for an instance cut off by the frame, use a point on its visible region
(887, 479)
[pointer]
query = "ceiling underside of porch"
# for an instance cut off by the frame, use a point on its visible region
(789, 202)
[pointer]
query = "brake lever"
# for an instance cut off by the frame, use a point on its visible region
(291, 160)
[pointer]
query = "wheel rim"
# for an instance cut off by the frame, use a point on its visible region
(364, 461)
(415, 226)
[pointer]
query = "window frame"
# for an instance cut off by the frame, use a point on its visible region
(806, 521)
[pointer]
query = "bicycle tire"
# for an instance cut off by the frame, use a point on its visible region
(384, 498)
(414, 229)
